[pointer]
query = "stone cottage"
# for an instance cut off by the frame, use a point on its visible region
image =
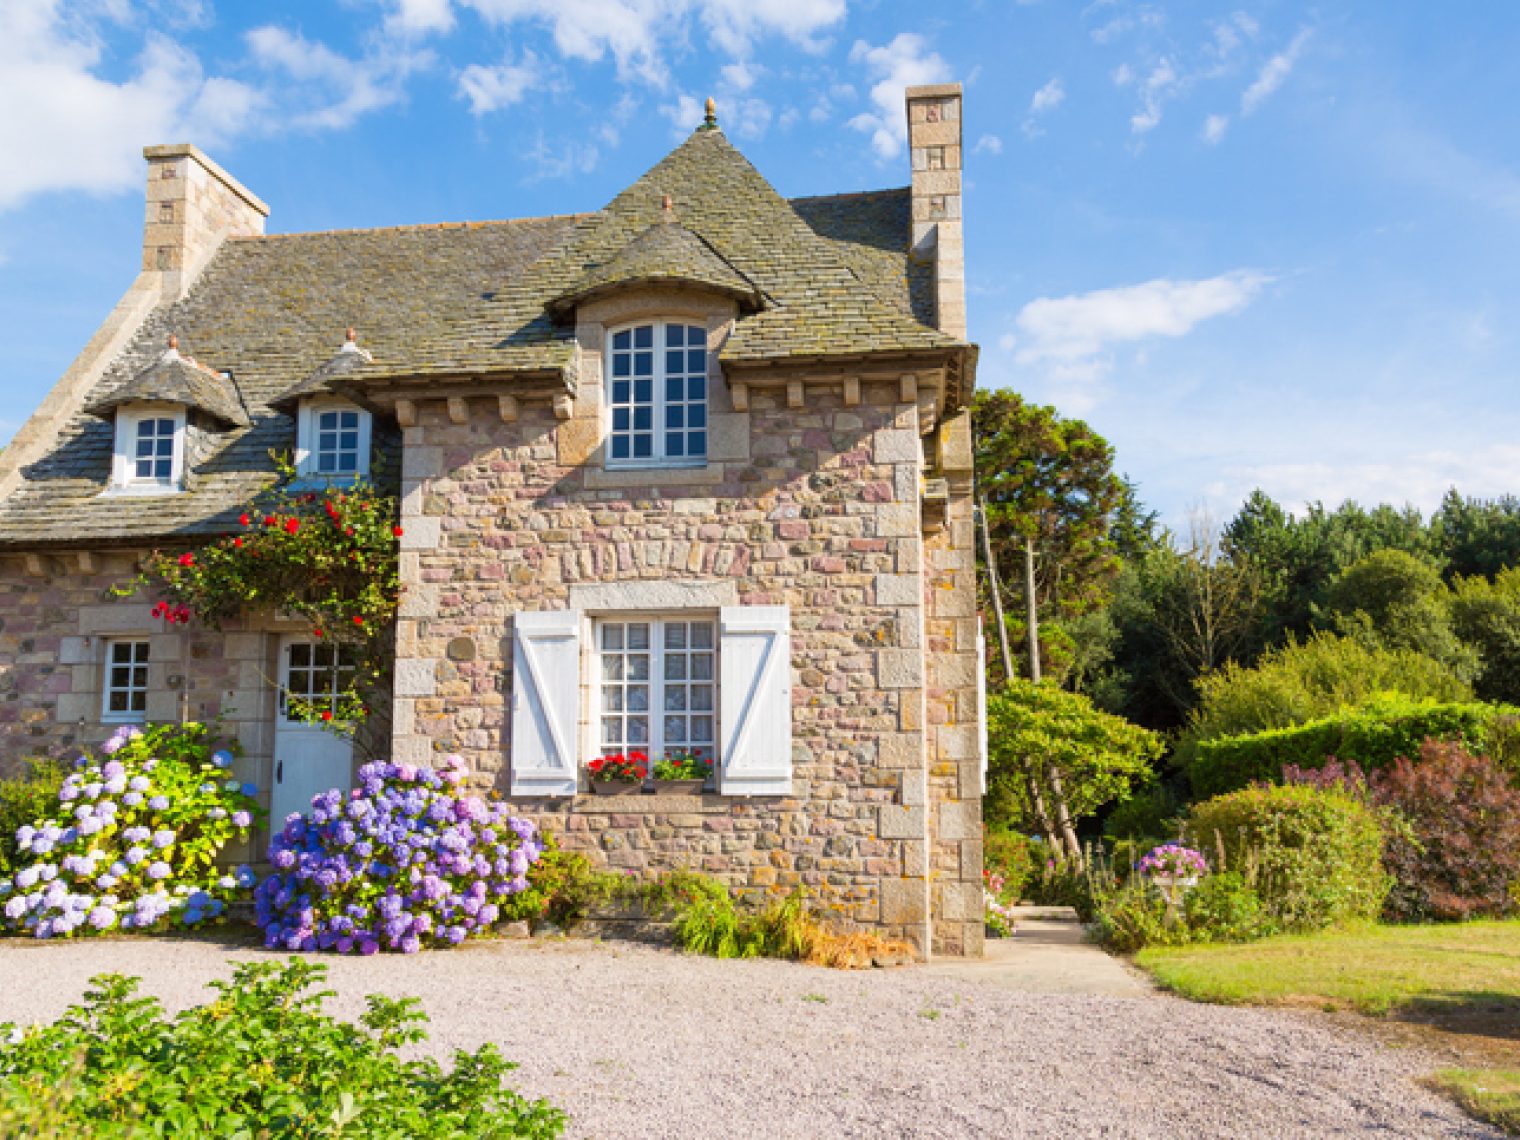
(689, 471)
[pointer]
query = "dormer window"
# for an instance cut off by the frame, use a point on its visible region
(657, 393)
(333, 440)
(150, 450)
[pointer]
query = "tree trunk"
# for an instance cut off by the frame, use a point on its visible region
(1031, 785)
(1068, 833)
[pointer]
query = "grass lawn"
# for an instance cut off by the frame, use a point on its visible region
(1456, 986)
(1374, 969)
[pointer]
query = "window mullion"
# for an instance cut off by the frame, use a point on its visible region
(656, 691)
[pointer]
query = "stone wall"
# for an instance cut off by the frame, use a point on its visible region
(818, 508)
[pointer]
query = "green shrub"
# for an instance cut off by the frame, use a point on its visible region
(262, 1060)
(1058, 881)
(1149, 812)
(1373, 736)
(28, 798)
(1304, 681)
(1007, 853)
(1224, 907)
(1133, 917)
(563, 889)
(1315, 856)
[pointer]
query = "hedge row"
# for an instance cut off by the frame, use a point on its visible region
(1373, 735)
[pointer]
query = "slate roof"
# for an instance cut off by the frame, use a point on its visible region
(177, 379)
(833, 276)
(348, 360)
(667, 253)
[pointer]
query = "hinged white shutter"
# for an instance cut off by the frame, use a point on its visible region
(546, 690)
(981, 699)
(755, 700)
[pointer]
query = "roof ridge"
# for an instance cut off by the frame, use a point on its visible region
(407, 227)
(852, 194)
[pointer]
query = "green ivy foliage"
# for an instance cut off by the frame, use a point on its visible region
(1101, 757)
(262, 1060)
(328, 555)
(1373, 735)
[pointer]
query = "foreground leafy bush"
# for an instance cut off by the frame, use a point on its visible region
(135, 839)
(1453, 845)
(563, 889)
(262, 1060)
(402, 861)
(1373, 736)
(1314, 856)
(29, 797)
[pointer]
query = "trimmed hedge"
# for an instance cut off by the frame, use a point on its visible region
(1373, 735)
(1314, 856)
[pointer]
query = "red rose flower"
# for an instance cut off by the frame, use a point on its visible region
(187, 559)
(244, 519)
(292, 525)
(327, 714)
(237, 542)
(396, 531)
(358, 620)
(318, 632)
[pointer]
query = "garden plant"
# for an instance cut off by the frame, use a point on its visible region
(134, 840)
(407, 859)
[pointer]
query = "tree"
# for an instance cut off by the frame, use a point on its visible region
(1099, 757)
(1049, 494)
(1393, 600)
(1477, 536)
(1486, 616)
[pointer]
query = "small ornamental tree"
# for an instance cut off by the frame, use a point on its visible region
(135, 839)
(327, 555)
(1100, 757)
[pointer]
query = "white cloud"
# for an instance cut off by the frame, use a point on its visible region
(1274, 73)
(1123, 75)
(333, 91)
(1071, 339)
(740, 76)
(636, 32)
(1158, 85)
(1214, 128)
(70, 129)
(988, 144)
(420, 17)
(1047, 98)
(904, 62)
(551, 161)
(492, 88)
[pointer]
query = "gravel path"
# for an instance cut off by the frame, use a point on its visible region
(640, 1042)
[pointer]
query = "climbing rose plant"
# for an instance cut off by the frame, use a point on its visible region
(326, 555)
(135, 841)
(403, 861)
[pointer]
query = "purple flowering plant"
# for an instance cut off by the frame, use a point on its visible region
(406, 860)
(1173, 860)
(135, 839)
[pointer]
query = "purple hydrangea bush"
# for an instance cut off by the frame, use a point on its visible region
(405, 860)
(135, 841)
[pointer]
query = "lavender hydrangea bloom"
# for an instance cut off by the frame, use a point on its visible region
(162, 839)
(159, 803)
(159, 871)
(241, 819)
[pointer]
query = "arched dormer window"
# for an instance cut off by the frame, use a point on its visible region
(333, 435)
(657, 395)
(149, 457)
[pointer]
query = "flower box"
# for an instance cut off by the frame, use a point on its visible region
(676, 787)
(616, 787)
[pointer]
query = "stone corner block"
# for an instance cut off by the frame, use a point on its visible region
(899, 668)
(898, 590)
(424, 532)
(904, 901)
(416, 677)
(902, 821)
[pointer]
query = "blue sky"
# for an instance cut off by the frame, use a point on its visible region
(1273, 244)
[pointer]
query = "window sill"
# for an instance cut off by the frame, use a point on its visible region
(636, 803)
(136, 490)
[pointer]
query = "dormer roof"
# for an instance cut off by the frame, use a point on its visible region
(665, 255)
(346, 361)
(176, 379)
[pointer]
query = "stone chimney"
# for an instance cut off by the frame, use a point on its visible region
(934, 141)
(193, 205)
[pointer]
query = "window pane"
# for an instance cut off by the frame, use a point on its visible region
(638, 635)
(612, 636)
(638, 730)
(638, 666)
(675, 698)
(612, 668)
(702, 698)
(643, 364)
(643, 336)
(701, 729)
(612, 698)
(696, 362)
(701, 666)
(620, 447)
(675, 667)
(117, 702)
(638, 698)
(643, 446)
(675, 635)
(675, 730)
(674, 335)
(622, 340)
(612, 732)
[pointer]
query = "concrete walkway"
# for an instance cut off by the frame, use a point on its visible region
(1048, 955)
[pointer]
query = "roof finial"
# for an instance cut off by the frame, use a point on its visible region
(666, 204)
(350, 340)
(174, 342)
(349, 334)
(711, 119)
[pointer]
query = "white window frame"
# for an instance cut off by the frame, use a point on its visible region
(108, 715)
(336, 671)
(655, 747)
(307, 438)
(124, 480)
(659, 458)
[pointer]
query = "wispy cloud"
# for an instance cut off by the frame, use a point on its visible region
(1214, 129)
(490, 89)
(1045, 100)
(1072, 339)
(1158, 86)
(1274, 73)
(988, 144)
(906, 61)
(331, 91)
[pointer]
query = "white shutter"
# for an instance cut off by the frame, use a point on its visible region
(546, 690)
(755, 700)
(981, 699)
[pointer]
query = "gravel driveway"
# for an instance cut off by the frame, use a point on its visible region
(641, 1042)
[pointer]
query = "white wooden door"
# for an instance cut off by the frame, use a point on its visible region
(308, 759)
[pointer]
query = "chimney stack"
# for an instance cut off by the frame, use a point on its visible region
(193, 205)
(934, 142)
